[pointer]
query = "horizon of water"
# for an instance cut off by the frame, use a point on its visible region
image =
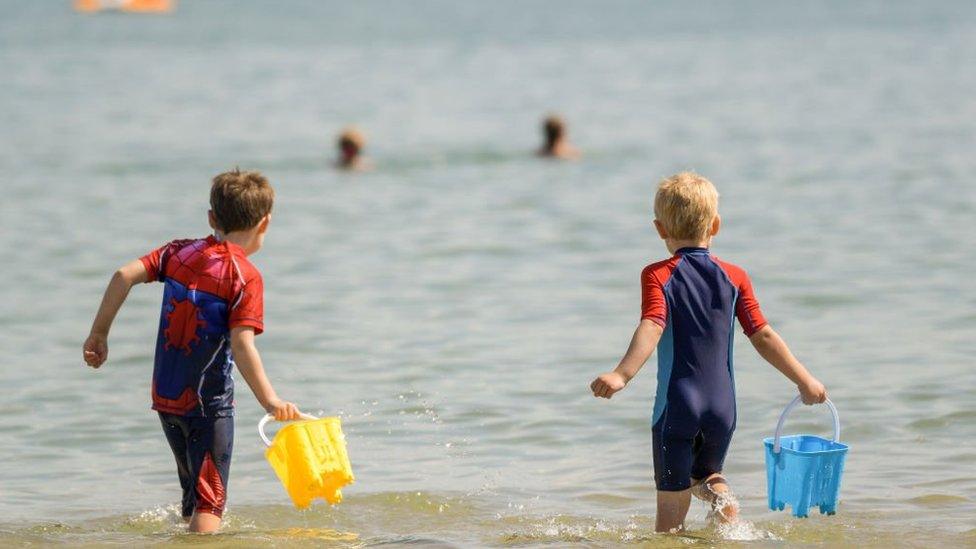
(453, 305)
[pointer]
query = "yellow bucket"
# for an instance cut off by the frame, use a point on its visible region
(309, 457)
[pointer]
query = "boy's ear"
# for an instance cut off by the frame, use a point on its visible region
(716, 225)
(212, 220)
(661, 231)
(263, 225)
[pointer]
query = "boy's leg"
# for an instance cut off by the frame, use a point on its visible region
(210, 446)
(672, 508)
(672, 476)
(711, 447)
(177, 431)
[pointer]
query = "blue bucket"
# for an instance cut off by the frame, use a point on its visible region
(804, 470)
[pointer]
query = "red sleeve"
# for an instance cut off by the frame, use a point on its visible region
(248, 307)
(153, 261)
(747, 307)
(654, 306)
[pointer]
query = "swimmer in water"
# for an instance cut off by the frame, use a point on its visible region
(556, 143)
(351, 143)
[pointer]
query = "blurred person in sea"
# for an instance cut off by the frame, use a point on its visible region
(555, 140)
(351, 143)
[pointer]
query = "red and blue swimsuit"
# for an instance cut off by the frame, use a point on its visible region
(695, 297)
(209, 288)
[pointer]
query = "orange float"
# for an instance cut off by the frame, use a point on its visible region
(135, 6)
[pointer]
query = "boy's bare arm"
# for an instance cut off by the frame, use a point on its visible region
(249, 363)
(641, 346)
(95, 349)
(775, 351)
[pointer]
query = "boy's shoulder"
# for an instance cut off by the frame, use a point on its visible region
(247, 270)
(207, 254)
(226, 251)
(737, 275)
(161, 261)
(181, 244)
(660, 271)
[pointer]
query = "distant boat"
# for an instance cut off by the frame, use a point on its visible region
(136, 6)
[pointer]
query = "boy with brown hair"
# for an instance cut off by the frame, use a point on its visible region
(688, 304)
(213, 306)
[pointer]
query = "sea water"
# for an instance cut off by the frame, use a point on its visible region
(454, 304)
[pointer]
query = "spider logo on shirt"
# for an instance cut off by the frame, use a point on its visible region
(183, 320)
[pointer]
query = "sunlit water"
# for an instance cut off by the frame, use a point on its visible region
(453, 305)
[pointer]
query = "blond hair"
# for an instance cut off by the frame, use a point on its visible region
(686, 204)
(351, 137)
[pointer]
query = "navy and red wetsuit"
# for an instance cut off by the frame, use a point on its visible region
(209, 288)
(695, 297)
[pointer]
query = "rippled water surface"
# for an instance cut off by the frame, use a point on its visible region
(453, 305)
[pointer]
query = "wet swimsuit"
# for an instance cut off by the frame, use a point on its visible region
(695, 297)
(202, 447)
(210, 288)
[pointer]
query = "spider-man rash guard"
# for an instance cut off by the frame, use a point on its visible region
(210, 287)
(695, 297)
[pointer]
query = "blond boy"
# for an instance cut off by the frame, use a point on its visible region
(688, 304)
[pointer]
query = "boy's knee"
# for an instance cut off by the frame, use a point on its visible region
(715, 490)
(713, 480)
(710, 487)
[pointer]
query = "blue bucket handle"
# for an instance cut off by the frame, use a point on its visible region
(790, 406)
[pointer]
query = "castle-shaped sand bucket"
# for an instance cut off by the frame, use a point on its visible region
(804, 470)
(309, 457)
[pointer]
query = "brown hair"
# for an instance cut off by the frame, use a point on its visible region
(686, 204)
(554, 128)
(240, 200)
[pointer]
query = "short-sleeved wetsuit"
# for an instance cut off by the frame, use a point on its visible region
(695, 297)
(210, 287)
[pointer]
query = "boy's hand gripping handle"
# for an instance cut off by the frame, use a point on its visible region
(789, 408)
(264, 421)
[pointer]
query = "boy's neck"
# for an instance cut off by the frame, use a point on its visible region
(675, 245)
(247, 240)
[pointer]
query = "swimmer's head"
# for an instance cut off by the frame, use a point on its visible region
(554, 129)
(686, 207)
(351, 142)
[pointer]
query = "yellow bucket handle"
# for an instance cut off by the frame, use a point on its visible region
(264, 421)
